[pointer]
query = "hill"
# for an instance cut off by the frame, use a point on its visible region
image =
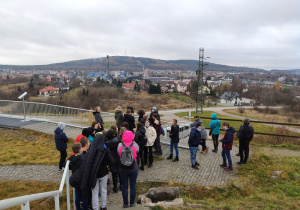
(290, 71)
(129, 64)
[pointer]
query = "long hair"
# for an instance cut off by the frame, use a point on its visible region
(175, 121)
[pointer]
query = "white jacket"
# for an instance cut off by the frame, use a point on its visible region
(151, 136)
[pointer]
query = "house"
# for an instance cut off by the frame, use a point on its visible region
(181, 87)
(230, 98)
(62, 86)
(49, 90)
(164, 89)
(205, 90)
(128, 86)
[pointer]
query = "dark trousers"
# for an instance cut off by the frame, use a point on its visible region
(116, 177)
(216, 141)
(146, 151)
(203, 144)
(131, 176)
(157, 145)
(63, 156)
(81, 198)
(140, 157)
(244, 151)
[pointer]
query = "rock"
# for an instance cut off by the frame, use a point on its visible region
(163, 194)
(175, 202)
(276, 173)
(139, 199)
(150, 205)
(193, 205)
(161, 205)
(239, 185)
(145, 201)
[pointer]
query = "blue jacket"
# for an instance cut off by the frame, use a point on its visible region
(195, 138)
(60, 139)
(215, 124)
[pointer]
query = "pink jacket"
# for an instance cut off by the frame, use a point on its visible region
(128, 138)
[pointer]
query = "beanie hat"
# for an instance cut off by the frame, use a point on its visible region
(155, 109)
(128, 136)
(86, 132)
(110, 135)
(61, 125)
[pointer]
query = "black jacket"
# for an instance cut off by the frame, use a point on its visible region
(112, 143)
(246, 134)
(98, 118)
(174, 134)
(75, 162)
(130, 120)
(60, 139)
(107, 161)
(151, 119)
(195, 138)
(119, 117)
(91, 163)
(140, 137)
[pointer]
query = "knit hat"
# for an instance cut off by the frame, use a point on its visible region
(61, 125)
(128, 136)
(155, 109)
(110, 135)
(86, 132)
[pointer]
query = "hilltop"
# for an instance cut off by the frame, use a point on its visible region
(127, 63)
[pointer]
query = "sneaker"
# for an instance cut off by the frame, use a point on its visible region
(125, 206)
(132, 205)
(170, 157)
(142, 168)
(197, 164)
(202, 152)
(103, 208)
(215, 151)
(223, 165)
(195, 167)
(239, 163)
(60, 170)
(150, 165)
(115, 189)
(245, 162)
(238, 154)
(206, 149)
(228, 169)
(175, 159)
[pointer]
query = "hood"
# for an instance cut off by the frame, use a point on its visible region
(57, 130)
(231, 129)
(61, 125)
(95, 112)
(194, 128)
(119, 109)
(199, 121)
(110, 135)
(86, 132)
(214, 116)
(98, 141)
(155, 109)
(128, 137)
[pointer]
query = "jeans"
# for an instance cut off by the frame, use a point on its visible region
(244, 151)
(193, 151)
(80, 197)
(203, 143)
(146, 150)
(101, 184)
(132, 176)
(157, 145)
(175, 145)
(63, 156)
(226, 154)
(216, 141)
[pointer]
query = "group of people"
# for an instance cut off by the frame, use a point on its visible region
(123, 150)
(198, 137)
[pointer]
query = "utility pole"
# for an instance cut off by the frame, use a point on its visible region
(200, 80)
(107, 73)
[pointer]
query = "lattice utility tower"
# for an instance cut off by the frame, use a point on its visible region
(200, 80)
(107, 73)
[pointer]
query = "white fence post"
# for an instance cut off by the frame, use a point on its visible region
(74, 198)
(56, 200)
(25, 206)
(68, 190)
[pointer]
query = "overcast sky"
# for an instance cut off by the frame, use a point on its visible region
(256, 33)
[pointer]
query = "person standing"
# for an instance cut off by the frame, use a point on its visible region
(128, 150)
(215, 131)
(61, 144)
(203, 140)
(157, 127)
(151, 136)
(194, 142)
(98, 117)
(141, 115)
(119, 117)
(227, 142)
(245, 135)
(153, 111)
(174, 135)
(141, 140)
(128, 117)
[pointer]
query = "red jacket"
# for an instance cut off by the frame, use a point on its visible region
(157, 127)
(228, 139)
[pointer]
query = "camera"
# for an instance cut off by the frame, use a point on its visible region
(22, 96)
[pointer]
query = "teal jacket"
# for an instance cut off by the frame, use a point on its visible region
(215, 124)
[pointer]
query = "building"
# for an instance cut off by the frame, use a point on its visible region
(205, 90)
(49, 90)
(182, 87)
(230, 98)
(128, 86)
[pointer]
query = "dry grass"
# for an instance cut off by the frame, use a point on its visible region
(19, 147)
(10, 189)
(13, 86)
(280, 117)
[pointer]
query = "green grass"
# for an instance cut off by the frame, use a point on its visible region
(182, 98)
(20, 147)
(261, 191)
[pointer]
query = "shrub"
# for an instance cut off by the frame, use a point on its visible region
(241, 110)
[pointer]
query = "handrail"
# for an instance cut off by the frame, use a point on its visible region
(24, 200)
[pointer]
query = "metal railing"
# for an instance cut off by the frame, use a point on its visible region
(24, 201)
(54, 113)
